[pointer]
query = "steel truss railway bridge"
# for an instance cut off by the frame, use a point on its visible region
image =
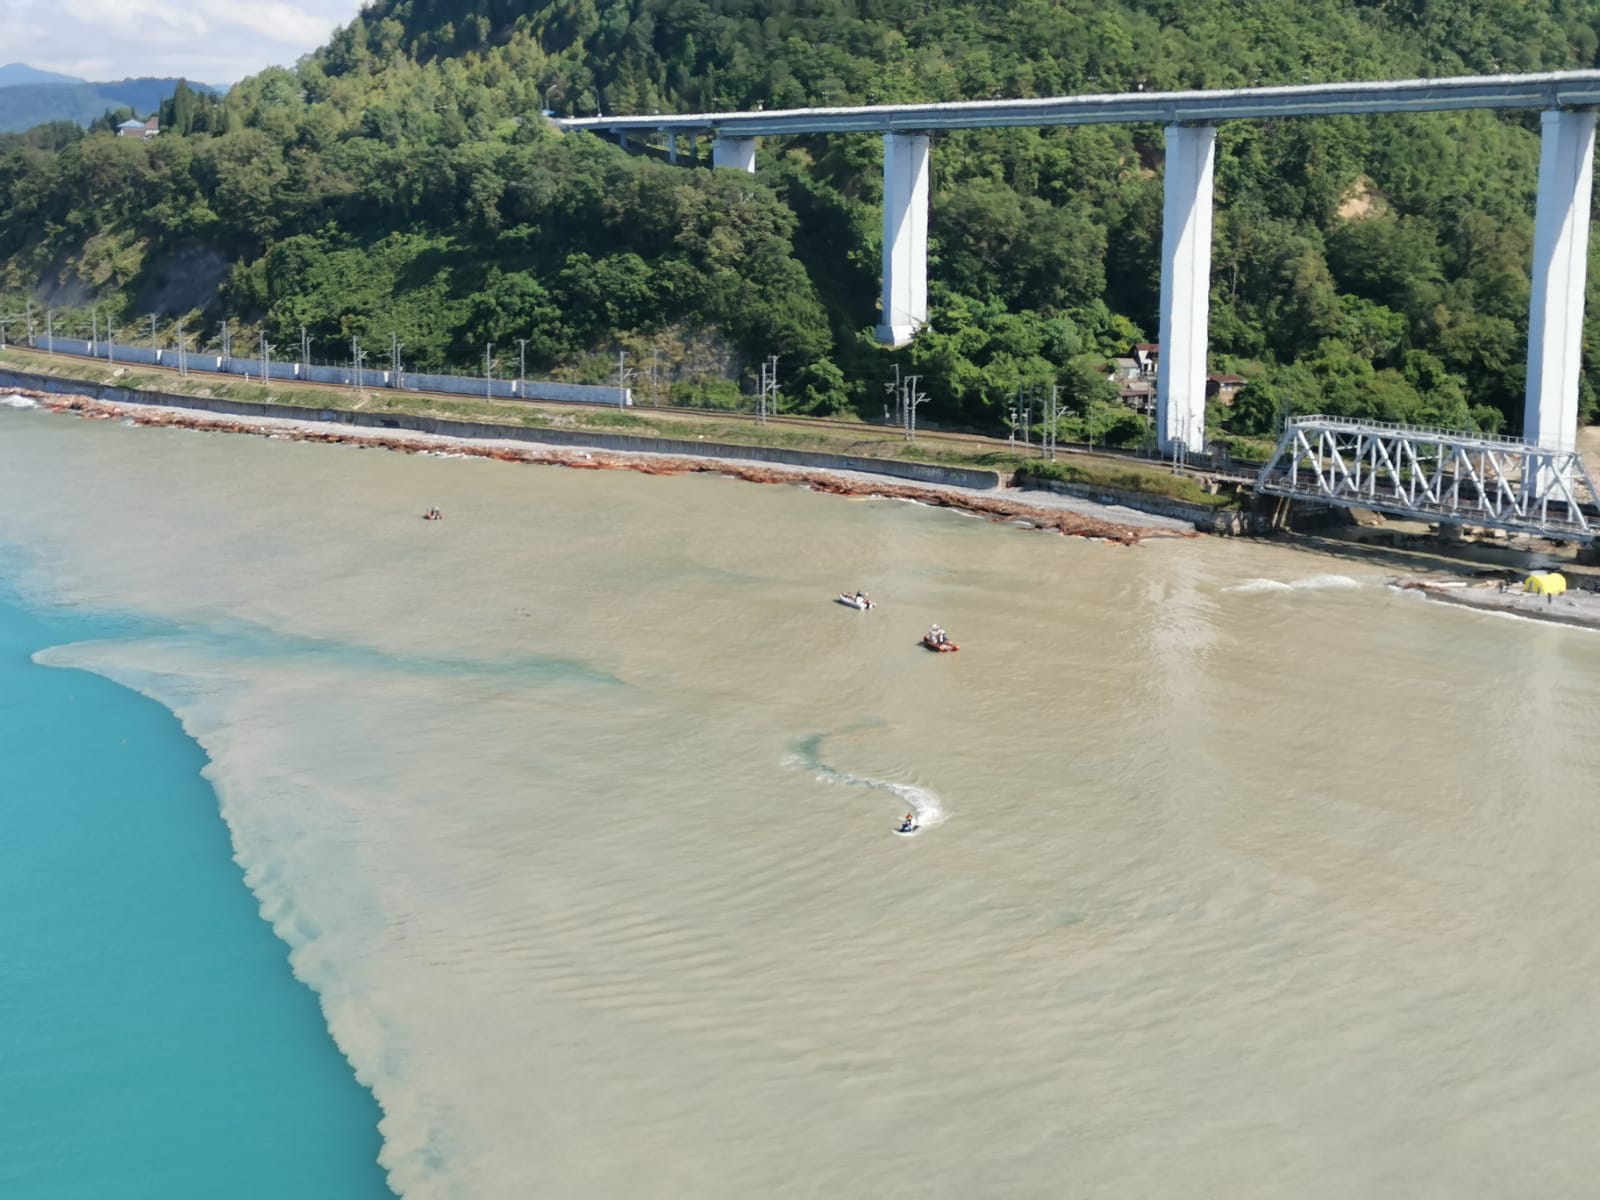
(1531, 479)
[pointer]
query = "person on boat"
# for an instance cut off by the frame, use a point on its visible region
(908, 824)
(861, 597)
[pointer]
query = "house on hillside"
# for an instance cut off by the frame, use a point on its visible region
(1148, 356)
(1222, 387)
(139, 129)
(1135, 388)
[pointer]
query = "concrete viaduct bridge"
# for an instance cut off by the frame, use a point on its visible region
(1567, 101)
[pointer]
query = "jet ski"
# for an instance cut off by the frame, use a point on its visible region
(907, 828)
(857, 602)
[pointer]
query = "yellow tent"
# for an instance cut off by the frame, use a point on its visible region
(1552, 584)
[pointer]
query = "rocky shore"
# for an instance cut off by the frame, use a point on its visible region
(1038, 510)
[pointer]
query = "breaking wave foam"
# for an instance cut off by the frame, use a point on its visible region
(12, 400)
(1311, 583)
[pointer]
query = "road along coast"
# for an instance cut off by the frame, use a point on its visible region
(1042, 510)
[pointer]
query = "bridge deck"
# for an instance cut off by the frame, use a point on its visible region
(1556, 89)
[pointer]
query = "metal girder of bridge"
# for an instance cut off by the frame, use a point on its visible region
(1456, 478)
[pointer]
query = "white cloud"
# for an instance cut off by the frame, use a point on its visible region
(214, 41)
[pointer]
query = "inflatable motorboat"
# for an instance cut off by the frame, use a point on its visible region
(944, 647)
(857, 601)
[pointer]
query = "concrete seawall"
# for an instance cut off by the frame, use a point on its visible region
(1226, 522)
(624, 443)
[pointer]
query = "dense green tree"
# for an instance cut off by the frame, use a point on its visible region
(401, 181)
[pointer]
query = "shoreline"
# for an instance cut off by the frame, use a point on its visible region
(1035, 511)
(1575, 609)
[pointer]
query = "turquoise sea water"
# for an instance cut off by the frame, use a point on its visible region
(153, 1041)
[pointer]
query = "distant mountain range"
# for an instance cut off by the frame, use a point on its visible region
(29, 96)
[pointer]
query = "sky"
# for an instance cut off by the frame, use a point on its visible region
(209, 41)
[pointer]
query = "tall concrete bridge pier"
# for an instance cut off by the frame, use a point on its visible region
(1567, 100)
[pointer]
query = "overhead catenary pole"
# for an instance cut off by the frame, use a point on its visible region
(767, 393)
(488, 370)
(894, 390)
(1052, 421)
(266, 358)
(183, 354)
(395, 346)
(305, 348)
(912, 399)
(624, 373)
(49, 332)
(356, 355)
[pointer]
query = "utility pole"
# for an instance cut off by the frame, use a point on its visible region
(94, 327)
(655, 393)
(227, 339)
(624, 373)
(894, 390)
(488, 370)
(183, 358)
(153, 343)
(912, 398)
(522, 363)
(111, 346)
(395, 346)
(266, 359)
(356, 355)
(1051, 420)
(767, 396)
(305, 348)
(50, 332)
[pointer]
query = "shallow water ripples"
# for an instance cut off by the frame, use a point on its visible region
(578, 807)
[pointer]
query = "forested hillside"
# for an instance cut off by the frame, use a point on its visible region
(401, 181)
